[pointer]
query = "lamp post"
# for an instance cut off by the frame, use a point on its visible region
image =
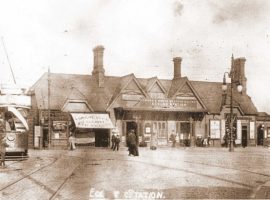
(239, 89)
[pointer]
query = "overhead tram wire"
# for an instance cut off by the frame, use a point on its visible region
(2, 38)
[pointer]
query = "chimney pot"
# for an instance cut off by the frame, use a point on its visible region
(177, 67)
(98, 70)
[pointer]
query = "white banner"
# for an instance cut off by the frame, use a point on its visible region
(222, 128)
(239, 132)
(252, 130)
(215, 129)
(90, 120)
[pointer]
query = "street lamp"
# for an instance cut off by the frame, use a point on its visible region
(239, 89)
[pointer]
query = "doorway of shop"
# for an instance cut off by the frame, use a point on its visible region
(244, 136)
(45, 139)
(183, 128)
(131, 126)
(260, 132)
(101, 137)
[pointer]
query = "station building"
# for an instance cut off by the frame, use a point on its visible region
(98, 104)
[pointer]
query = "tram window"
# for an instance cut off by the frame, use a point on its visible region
(11, 124)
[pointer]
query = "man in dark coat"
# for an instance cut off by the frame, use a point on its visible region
(132, 141)
(113, 141)
(116, 142)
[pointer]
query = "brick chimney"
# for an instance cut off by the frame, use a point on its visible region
(98, 71)
(238, 70)
(177, 67)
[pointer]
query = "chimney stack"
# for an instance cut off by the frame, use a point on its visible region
(177, 67)
(98, 71)
(238, 71)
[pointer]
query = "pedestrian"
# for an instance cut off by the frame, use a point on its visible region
(173, 139)
(3, 146)
(132, 144)
(113, 140)
(116, 142)
(71, 140)
(128, 143)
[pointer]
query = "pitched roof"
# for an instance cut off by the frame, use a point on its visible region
(62, 88)
(211, 95)
(71, 86)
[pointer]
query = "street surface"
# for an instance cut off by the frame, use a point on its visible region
(165, 173)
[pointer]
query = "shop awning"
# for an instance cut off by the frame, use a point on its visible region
(92, 120)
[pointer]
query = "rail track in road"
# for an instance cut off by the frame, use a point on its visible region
(27, 175)
(53, 193)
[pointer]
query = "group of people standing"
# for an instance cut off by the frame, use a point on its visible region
(115, 141)
(132, 143)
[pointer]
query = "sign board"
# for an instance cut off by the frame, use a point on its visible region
(252, 130)
(132, 97)
(38, 136)
(239, 132)
(91, 120)
(171, 103)
(223, 127)
(215, 129)
(84, 140)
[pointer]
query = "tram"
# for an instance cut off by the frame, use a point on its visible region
(14, 109)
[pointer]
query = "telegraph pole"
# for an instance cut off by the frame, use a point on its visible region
(2, 38)
(49, 108)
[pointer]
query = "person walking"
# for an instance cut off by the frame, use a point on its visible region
(116, 142)
(71, 141)
(132, 143)
(173, 139)
(113, 141)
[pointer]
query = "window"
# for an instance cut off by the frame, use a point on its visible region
(160, 129)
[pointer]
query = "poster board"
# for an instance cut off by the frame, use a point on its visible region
(215, 129)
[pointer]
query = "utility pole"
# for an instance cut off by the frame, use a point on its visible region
(49, 108)
(2, 38)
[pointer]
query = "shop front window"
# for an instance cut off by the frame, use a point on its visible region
(160, 129)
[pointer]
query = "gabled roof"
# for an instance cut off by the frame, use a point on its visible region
(71, 86)
(62, 86)
(124, 81)
(211, 95)
(151, 82)
(176, 84)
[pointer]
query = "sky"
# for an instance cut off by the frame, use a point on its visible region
(139, 37)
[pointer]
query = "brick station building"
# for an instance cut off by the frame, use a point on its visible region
(97, 103)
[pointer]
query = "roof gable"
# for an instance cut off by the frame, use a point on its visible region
(183, 88)
(155, 86)
(129, 86)
(76, 106)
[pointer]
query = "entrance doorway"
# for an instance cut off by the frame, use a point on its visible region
(45, 141)
(183, 128)
(244, 136)
(260, 134)
(101, 137)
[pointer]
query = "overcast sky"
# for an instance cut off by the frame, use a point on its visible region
(140, 37)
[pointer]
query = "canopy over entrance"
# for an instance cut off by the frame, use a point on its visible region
(92, 120)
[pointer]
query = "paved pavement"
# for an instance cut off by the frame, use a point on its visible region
(165, 173)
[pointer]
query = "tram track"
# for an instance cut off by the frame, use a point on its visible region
(52, 193)
(27, 175)
(232, 168)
